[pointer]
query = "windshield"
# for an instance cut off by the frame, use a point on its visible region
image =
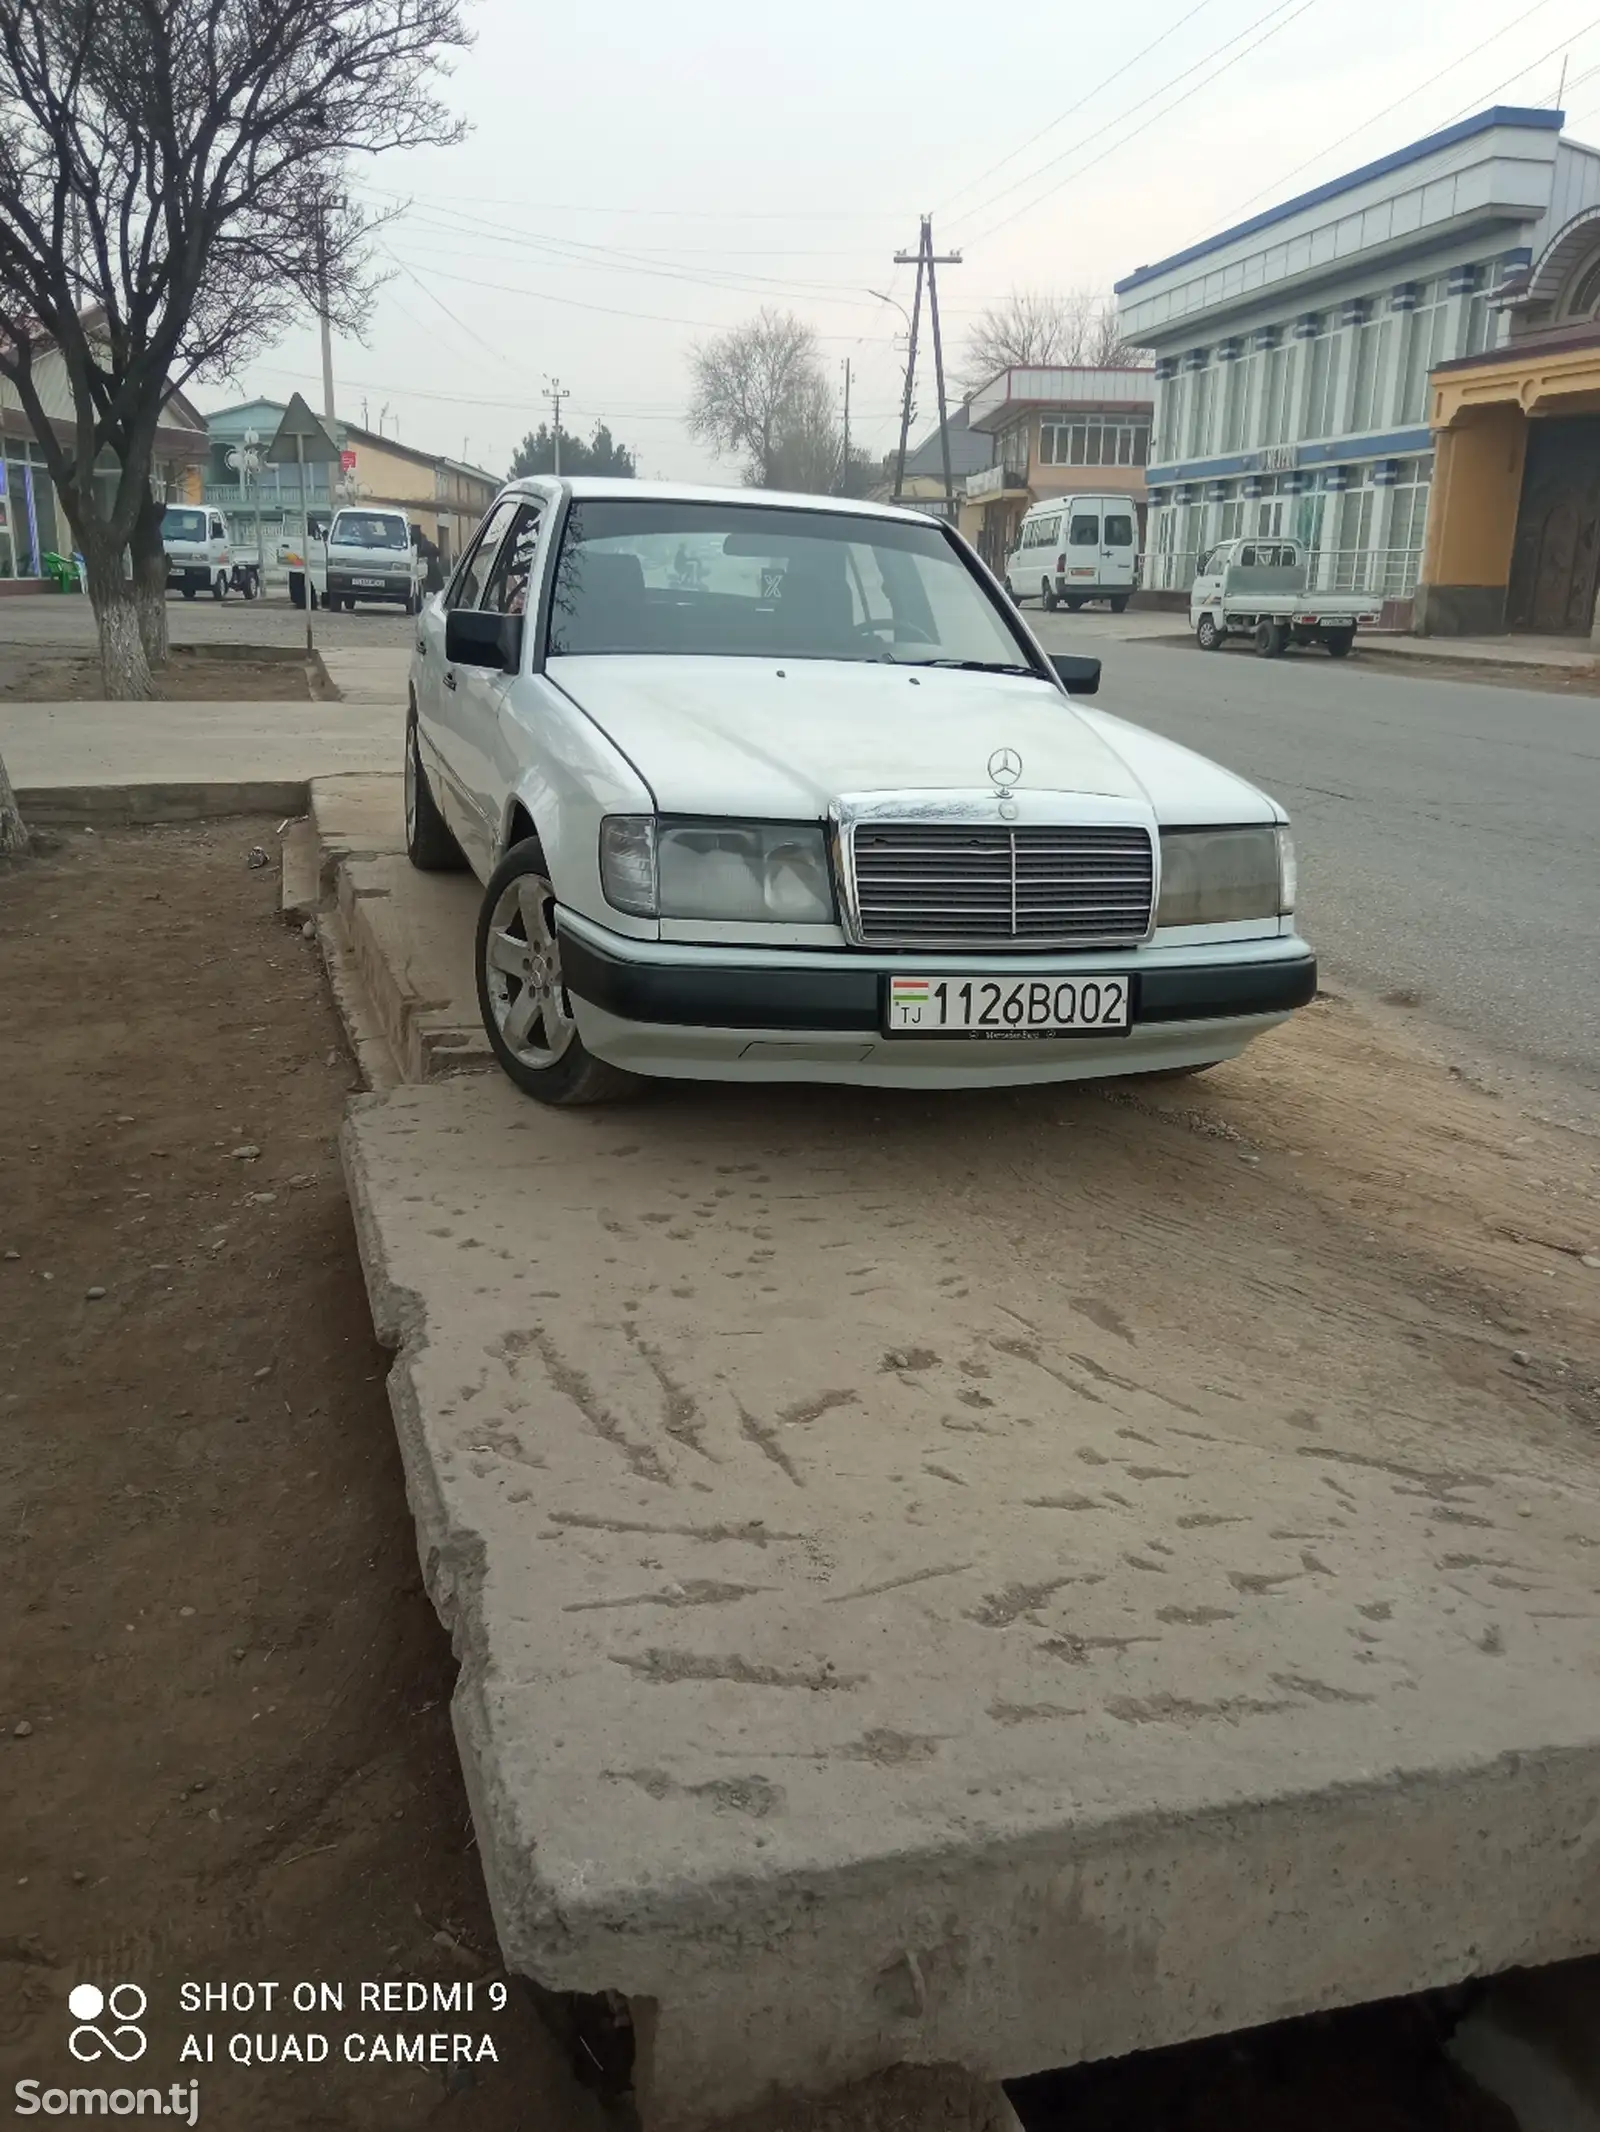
(184, 525)
(766, 581)
(369, 529)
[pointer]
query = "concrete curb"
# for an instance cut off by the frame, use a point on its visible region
(57, 806)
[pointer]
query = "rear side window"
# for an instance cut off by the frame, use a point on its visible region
(1119, 530)
(1085, 531)
(1247, 558)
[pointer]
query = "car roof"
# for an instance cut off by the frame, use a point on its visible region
(594, 486)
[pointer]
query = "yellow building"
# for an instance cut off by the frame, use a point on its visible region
(1513, 538)
(446, 497)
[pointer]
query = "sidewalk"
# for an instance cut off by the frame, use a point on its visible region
(1570, 654)
(78, 746)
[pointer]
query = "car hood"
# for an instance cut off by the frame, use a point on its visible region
(756, 737)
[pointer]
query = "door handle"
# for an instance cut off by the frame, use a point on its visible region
(449, 677)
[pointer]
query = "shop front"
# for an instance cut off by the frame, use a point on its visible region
(1514, 534)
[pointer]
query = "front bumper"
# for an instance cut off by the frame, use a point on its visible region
(735, 1013)
(351, 585)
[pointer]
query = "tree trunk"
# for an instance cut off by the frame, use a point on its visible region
(150, 583)
(13, 830)
(123, 664)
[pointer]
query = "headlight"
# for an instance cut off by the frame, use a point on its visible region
(743, 873)
(1211, 876)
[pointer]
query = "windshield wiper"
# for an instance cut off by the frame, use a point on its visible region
(975, 666)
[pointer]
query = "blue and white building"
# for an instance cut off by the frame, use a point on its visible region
(1293, 350)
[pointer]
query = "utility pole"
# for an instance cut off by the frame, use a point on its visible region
(926, 262)
(322, 308)
(844, 478)
(555, 393)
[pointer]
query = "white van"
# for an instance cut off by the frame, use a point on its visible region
(370, 554)
(1076, 548)
(202, 555)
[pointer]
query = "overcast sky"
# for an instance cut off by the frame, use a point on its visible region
(638, 176)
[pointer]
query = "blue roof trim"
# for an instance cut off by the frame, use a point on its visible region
(1334, 451)
(1541, 121)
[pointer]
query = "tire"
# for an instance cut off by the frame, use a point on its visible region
(1270, 640)
(1074, 606)
(1207, 635)
(1047, 596)
(1339, 642)
(1119, 603)
(430, 845)
(249, 586)
(412, 603)
(297, 588)
(219, 587)
(544, 1057)
(187, 591)
(312, 602)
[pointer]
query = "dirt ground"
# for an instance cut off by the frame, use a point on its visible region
(225, 1749)
(223, 1695)
(194, 674)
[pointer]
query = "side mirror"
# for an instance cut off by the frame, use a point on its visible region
(473, 638)
(1079, 677)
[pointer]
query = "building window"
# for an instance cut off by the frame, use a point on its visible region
(1014, 454)
(1408, 523)
(1235, 403)
(1317, 418)
(1585, 292)
(1093, 440)
(1274, 398)
(1369, 358)
(1421, 346)
(1202, 394)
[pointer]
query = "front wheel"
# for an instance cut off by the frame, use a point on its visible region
(1206, 633)
(219, 587)
(188, 592)
(413, 604)
(522, 996)
(1339, 642)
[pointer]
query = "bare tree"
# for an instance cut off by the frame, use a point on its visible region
(1034, 328)
(760, 393)
(169, 200)
(14, 840)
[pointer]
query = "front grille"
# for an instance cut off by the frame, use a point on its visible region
(1027, 887)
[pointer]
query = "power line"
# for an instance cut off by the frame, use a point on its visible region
(1215, 75)
(1160, 90)
(1011, 154)
(1561, 45)
(1366, 123)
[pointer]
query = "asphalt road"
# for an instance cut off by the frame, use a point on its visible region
(1446, 830)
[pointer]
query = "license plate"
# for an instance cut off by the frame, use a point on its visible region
(367, 584)
(1001, 1007)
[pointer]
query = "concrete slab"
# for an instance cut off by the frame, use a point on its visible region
(374, 673)
(92, 744)
(996, 1581)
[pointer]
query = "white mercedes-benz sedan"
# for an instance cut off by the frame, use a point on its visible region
(783, 788)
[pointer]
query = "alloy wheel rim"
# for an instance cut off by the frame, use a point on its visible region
(522, 974)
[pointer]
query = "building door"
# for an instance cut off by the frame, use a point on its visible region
(1555, 564)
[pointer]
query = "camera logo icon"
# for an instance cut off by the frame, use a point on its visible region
(125, 2005)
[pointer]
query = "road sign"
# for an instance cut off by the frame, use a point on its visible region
(301, 439)
(347, 462)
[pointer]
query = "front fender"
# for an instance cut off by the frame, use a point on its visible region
(569, 777)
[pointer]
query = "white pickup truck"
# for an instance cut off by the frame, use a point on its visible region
(204, 556)
(369, 552)
(1256, 588)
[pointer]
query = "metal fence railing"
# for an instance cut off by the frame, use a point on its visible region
(1385, 573)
